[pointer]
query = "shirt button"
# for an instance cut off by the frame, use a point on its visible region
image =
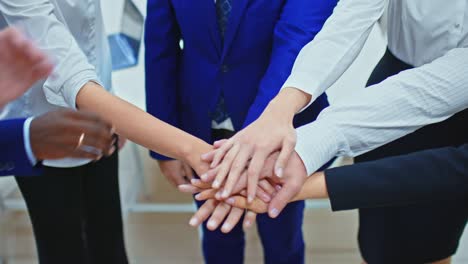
(225, 68)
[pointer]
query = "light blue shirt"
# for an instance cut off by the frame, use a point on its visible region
(72, 34)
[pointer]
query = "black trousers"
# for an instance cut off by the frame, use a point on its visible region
(76, 214)
(413, 234)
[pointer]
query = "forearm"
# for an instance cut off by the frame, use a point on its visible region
(314, 188)
(141, 127)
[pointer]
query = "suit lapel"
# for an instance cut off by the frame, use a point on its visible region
(238, 7)
(212, 23)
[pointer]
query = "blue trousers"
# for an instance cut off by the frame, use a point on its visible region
(281, 238)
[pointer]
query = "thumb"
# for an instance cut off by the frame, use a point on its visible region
(282, 198)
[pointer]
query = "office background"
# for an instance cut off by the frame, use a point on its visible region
(156, 215)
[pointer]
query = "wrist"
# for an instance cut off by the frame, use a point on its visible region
(290, 101)
(191, 154)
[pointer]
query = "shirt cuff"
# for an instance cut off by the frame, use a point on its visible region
(27, 141)
(304, 82)
(318, 143)
(66, 97)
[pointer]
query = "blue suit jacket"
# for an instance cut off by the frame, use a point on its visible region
(13, 157)
(431, 175)
(261, 43)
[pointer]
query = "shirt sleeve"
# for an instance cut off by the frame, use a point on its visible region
(322, 62)
(40, 20)
(299, 23)
(27, 141)
(384, 112)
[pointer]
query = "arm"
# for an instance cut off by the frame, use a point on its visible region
(299, 23)
(40, 20)
(14, 159)
(322, 62)
(142, 128)
(162, 53)
(75, 84)
(393, 108)
(432, 175)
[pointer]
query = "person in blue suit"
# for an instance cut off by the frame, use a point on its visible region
(211, 69)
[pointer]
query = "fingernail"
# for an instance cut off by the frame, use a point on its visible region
(278, 187)
(193, 221)
(266, 197)
(226, 227)
(279, 172)
(216, 184)
(195, 181)
(218, 196)
(204, 156)
(204, 176)
(113, 130)
(248, 223)
(274, 212)
(250, 199)
(230, 201)
(225, 194)
(111, 151)
(212, 224)
(197, 196)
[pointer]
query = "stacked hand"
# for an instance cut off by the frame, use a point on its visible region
(258, 163)
(273, 194)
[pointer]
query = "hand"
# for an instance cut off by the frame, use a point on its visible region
(273, 131)
(176, 172)
(57, 135)
(21, 65)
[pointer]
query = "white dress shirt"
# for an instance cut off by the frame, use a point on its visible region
(72, 33)
(430, 35)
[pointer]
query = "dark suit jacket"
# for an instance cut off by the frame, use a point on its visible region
(438, 174)
(262, 41)
(13, 157)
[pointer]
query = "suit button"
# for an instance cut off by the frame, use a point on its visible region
(225, 68)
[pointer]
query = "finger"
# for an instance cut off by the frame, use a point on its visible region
(267, 187)
(232, 220)
(282, 198)
(203, 213)
(95, 136)
(188, 188)
(200, 184)
(221, 152)
(257, 206)
(262, 195)
(188, 171)
(285, 154)
(253, 173)
(241, 184)
(218, 216)
(249, 219)
(238, 166)
(81, 154)
(206, 194)
(208, 157)
(219, 143)
(225, 166)
(210, 175)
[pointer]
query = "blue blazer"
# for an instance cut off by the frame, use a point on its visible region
(421, 177)
(13, 157)
(261, 43)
